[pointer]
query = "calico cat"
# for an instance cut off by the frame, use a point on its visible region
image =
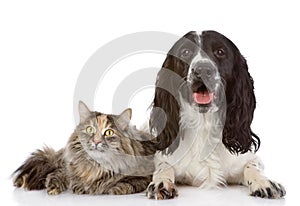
(104, 155)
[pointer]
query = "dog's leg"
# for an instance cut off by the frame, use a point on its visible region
(163, 184)
(258, 184)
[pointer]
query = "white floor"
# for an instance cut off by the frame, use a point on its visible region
(230, 196)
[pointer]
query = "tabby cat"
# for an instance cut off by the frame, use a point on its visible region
(104, 155)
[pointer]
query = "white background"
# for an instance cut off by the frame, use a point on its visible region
(44, 45)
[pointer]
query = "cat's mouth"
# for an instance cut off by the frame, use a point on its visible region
(99, 150)
(99, 147)
(96, 149)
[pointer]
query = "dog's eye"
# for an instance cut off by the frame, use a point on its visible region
(220, 53)
(185, 52)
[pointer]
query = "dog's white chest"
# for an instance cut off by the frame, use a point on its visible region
(200, 166)
(196, 160)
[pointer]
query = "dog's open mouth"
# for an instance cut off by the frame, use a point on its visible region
(201, 95)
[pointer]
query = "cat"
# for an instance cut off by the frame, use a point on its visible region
(104, 155)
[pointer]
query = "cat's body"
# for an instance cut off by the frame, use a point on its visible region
(104, 155)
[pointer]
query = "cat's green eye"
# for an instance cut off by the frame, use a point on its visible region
(90, 130)
(109, 133)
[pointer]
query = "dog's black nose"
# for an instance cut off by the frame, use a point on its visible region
(203, 70)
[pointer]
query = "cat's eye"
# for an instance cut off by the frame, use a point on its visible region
(109, 132)
(90, 130)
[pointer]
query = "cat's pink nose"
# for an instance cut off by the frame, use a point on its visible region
(96, 141)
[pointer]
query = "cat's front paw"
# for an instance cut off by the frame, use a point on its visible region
(265, 188)
(162, 190)
(54, 185)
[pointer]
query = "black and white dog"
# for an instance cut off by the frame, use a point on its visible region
(202, 112)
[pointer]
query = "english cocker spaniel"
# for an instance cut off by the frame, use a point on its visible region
(202, 111)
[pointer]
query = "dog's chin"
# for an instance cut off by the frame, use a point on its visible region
(204, 108)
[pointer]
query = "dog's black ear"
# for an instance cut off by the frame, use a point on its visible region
(164, 119)
(237, 134)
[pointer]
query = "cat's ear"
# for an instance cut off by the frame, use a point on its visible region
(124, 118)
(84, 111)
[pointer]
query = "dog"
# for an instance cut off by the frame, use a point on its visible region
(202, 111)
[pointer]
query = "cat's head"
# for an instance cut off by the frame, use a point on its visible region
(102, 133)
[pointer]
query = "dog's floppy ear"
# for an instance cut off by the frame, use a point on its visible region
(237, 134)
(164, 119)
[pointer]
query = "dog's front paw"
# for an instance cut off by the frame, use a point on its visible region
(266, 189)
(164, 189)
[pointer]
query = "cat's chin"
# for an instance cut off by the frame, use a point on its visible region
(96, 153)
(99, 150)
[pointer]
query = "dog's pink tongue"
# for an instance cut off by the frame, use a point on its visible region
(203, 97)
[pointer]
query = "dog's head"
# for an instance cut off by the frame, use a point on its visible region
(208, 71)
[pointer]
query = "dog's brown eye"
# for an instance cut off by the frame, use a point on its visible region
(220, 52)
(186, 52)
